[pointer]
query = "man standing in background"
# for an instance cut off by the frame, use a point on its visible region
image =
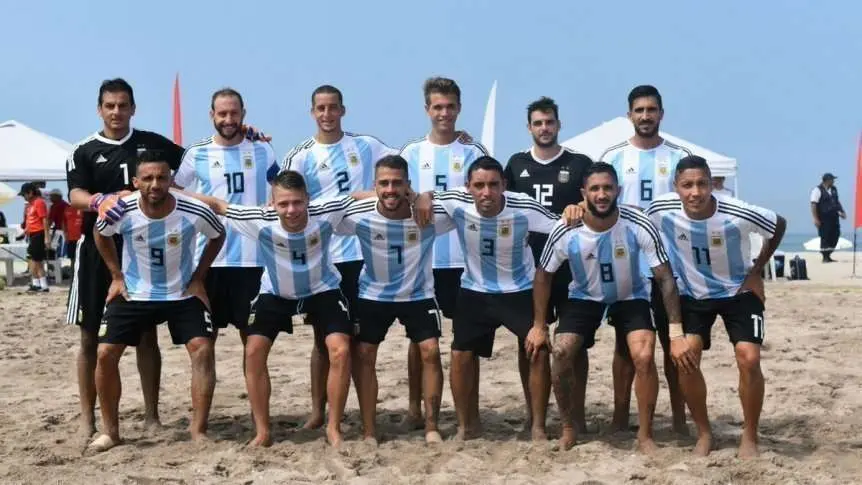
(36, 227)
(826, 210)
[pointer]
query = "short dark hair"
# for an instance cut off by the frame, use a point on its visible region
(395, 162)
(692, 162)
(327, 89)
(545, 105)
(485, 163)
(290, 180)
(118, 85)
(226, 92)
(600, 167)
(151, 156)
(440, 85)
(644, 91)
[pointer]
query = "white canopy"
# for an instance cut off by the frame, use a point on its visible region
(27, 154)
(594, 142)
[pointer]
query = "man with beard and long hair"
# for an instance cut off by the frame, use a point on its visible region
(229, 166)
(553, 175)
(605, 251)
(645, 164)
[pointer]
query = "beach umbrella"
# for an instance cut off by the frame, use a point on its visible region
(814, 244)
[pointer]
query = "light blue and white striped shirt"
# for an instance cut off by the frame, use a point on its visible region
(158, 254)
(239, 174)
(295, 264)
(712, 256)
(606, 265)
(644, 174)
(441, 167)
(335, 170)
(498, 259)
(397, 252)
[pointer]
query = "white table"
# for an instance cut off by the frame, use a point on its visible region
(9, 254)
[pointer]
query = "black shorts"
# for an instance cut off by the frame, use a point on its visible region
(71, 249)
(90, 282)
(350, 283)
(447, 282)
(272, 314)
(36, 250)
(231, 291)
(478, 316)
(584, 317)
(742, 315)
(124, 321)
(421, 319)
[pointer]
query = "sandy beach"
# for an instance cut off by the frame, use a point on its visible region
(810, 428)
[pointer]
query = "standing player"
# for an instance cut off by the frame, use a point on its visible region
(439, 161)
(37, 226)
(396, 283)
(645, 164)
(294, 240)
(233, 168)
(553, 175)
(157, 282)
(334, 163)
(707, 237)
(605, 254)
(496, 288)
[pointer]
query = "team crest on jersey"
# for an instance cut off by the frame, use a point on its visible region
(353, 159)
(715, 239)
(457, 163)
(563, 176)
(247, 160)
(663, 166)
(505, 230)
(620, 251)
(173, 239)
(412, 236)
(313, 240)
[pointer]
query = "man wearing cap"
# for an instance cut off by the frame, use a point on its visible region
(826, 210)
(36, 228)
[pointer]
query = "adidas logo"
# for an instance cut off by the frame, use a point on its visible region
(139, 238)
(216, 164)
(324, 166)
(426, 165)
(281, 244)
(101, 159)
(682, 237)
(591, 256)
(379, 237)
(630, 170)
(472, 227)
(525, 173)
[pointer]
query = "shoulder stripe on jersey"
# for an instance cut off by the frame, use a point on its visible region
(285, 165)
(205, 141)
(202, 212)
(641, 221)
(557, 233)
(411, 142)
(70, 159)
(533, 205)
(477, 145)
(750, 216)
(454, 195)
(360, 135)
(664, 206)
(362, 207)
(255, 213)
(332, 206)
(612, 148)
(677, 147)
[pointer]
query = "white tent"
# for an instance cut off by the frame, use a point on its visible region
(27, 154)
(594, 142)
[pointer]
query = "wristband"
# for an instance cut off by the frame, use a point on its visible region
(675, 330)
(95, 201)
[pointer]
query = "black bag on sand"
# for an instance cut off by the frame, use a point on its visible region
(798, 269)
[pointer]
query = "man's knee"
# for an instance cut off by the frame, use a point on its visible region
(201, 350)
(748, 357)
(109, 354)
(338, 350)
(366, 353)
(564, 354)
(256, 349)
(89, 342)
(430, 351)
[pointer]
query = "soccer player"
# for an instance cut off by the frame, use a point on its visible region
(604, 253)
(294, 240)
(36, 226)
(553, 175)
(334, 163)
(157, 282)
(229, 166)
(439, 161)
(707, 237)
(396, 283)
(496, 287)
(645, 164)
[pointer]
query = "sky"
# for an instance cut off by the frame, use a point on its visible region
(773, 84)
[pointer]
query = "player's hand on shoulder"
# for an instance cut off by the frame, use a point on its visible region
(573, 213)
(464, 137)
(254, 134)
(423, 209)
(109, 207)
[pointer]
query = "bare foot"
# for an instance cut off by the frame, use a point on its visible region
(748, 448)
(153, 425)
(334, 437)
(104, 443)
(619, 424)
(467, 433)
(703, 445)
(199, 436)
(432, 437)
(538, 434)
(413, 420)
(647, 446)
(568, 438)
(261, 441)
(87, 429)
(314, 421)
(370, 441)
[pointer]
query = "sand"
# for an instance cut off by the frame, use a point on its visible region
(810, 430)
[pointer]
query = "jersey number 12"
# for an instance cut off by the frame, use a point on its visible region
(544, 194)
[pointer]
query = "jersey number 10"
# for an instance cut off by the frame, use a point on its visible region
(235, 182)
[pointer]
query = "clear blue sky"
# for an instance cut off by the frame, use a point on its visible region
(774, 84)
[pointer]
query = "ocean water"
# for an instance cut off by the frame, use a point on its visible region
(794, 242)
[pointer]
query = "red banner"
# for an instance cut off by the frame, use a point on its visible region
(178, 117)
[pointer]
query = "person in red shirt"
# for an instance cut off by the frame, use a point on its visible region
(57, 209)
(36, 226)
(73, 219)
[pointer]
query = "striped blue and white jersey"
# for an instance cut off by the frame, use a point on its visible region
(338, 169)
(158, 254)
(295, 264)
(498, 259)
(712, 256)
(606, 265)
(239, 174)
(397, 252)
(441, 167)
(644, 174)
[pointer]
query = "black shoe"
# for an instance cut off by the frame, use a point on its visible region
(34, 288)
(44, 290)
